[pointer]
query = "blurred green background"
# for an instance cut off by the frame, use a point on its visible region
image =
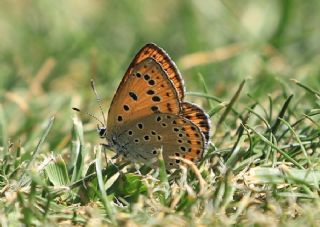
(51, 49)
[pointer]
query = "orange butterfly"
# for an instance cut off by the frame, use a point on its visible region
(148, 113)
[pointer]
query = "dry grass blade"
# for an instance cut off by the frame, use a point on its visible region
(196, 59)
(194, 168)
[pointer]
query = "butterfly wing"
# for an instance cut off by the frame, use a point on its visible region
(147, 112)
(146, 91)
(151, 50)
(175, 135)
(198, 117)
(151, 76)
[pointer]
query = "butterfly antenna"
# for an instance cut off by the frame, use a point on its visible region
(89, 114)
(98, 100)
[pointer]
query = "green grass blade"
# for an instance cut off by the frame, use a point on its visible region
(40, 143)
(24, 179)
(198, 94)
(216, 109)
(298, 140)
(77, 150)
(205, 89)
(104, 199)
(276, 124)
(266, 175)
(305, 87)
(3, 133)
(230, 105)
(236, 151)
(57, 172)
(162, 169)
(264, 139)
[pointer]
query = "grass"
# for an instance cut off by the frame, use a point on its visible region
(252, 66)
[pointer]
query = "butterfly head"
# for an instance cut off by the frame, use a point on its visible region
(102, 131)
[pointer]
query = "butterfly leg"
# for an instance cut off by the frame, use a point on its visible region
(115, 156)
(105, 146)
(108, 147)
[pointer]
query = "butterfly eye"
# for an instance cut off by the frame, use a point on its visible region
(102, 131)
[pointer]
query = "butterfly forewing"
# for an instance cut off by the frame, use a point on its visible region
(151, 50)
(147, 91)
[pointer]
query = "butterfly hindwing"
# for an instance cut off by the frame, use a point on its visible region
(175, 135)
(198, 117)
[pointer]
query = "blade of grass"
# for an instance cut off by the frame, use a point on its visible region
(39, 145)
(269, 150)
(3, 133)
(285, 11)
(77, 150)
(198, 94)
(57, 172)
(260, 117)
(228, 192)
(229, 106)
(283, 110)
(108, 171)
(307, 88)
(313, 121)
(270, 107)
(265, 175)
(24, 180)
(104, 199)
(257, 103)
(162, 169)
(205, 89)
(298, 140)
(216, 109)
(236, 151)
(218, 194)
(264, 139)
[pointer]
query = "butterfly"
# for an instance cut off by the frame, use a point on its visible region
(148, 113)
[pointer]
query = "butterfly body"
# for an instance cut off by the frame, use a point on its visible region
(148, 114)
